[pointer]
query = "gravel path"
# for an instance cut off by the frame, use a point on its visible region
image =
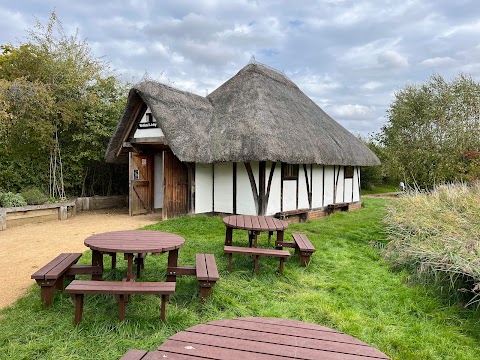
(28, 247)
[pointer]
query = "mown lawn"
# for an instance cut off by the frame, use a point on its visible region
(347, 286)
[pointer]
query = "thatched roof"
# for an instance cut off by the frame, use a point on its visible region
(257, 115)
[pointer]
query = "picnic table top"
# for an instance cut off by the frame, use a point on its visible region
(264, 338)
(255, 223)
(134, 241)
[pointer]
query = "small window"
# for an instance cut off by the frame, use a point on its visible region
(289, 171)
(348, 172)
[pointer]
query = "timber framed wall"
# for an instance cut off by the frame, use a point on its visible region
(226, 188)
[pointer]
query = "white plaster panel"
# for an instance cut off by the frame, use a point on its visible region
(339, 176)
(245, 200)
(275, 188)
(158, 181)
(317, 186)
(329, 185)
(289, 195)
(223, 187)
(203, 188)
(302, 187)
(356, 184)
(348, 190)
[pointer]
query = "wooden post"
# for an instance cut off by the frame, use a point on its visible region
(62, 213)
(162, 307)
(121, 307)
(3, 219)
(172, 265)
(97, 260)
(228, 236)
(78, 308)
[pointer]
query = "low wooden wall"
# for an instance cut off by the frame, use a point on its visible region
(21, 215)
(101, 202)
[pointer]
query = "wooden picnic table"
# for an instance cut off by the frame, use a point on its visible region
(254, 224)
(260, 339)
(130, 242)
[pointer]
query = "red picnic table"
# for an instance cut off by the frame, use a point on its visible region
(261, 339)
(254, 224)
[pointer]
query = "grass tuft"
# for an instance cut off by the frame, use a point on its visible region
(436, 235)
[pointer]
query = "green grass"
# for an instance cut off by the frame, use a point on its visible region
(347, 286)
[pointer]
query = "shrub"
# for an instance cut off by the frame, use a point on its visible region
(10, 199)
(34, 196)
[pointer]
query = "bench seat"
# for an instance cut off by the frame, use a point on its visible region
(256, 253)
(331, 208)
(205, 270)
(302, 213)
(122, 288)
(52, 275)
(302, 245)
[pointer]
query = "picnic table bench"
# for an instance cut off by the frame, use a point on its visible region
(331, 208)
(302, 214)
(256, 253)
(302, 245)
(52, 275)
(205, 270)
(121, 288)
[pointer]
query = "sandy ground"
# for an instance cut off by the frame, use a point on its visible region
(23, 249)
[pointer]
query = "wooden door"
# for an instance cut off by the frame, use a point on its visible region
(141, 183)
(175, 186)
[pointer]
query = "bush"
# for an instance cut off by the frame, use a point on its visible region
(10, 199)
(34, 196)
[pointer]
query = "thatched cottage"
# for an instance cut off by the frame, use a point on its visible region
(255, 145)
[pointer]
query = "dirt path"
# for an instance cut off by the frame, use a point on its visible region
(28, 247)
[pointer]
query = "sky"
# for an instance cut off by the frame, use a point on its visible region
(349, 56)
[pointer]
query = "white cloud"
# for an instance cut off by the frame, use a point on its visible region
(372, 85)
(391, 58)
(437, 61)
(350, 111)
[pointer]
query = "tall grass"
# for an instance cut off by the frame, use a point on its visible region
(436, 234)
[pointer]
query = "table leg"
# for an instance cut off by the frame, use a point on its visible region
(97, 260)
(228, 236)
(172, 265)
(280, 237)
(255, 238)
(129, 266)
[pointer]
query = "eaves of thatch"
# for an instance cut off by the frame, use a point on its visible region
(257, 115)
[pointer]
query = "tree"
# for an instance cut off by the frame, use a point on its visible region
(58, 107)
(429, 128)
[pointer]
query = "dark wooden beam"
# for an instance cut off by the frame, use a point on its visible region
(253, 185)
(269, 186)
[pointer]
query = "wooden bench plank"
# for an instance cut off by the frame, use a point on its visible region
(120, 288)
(54, 267)
(52, 275)
(304, 248)
(211, 267)
(256, 253)
(207, 273)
